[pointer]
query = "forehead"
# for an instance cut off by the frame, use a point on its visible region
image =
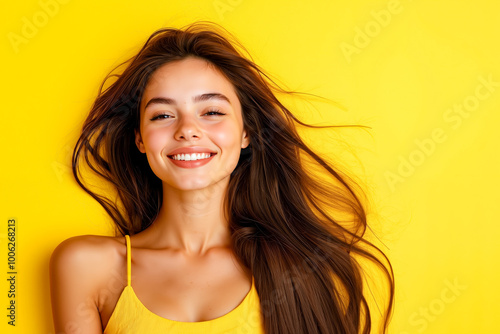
(182, 79)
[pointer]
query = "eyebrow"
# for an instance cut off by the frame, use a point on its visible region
(197, 98)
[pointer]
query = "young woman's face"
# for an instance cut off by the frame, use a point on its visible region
(188, 104)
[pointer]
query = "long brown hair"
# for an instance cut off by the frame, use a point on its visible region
(301, 235)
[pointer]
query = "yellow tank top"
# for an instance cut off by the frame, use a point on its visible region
(131, 316)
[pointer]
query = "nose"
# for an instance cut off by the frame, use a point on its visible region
(187, 128)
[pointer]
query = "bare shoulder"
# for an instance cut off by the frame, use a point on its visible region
(80, 270)
(88, 256)
(89, 243)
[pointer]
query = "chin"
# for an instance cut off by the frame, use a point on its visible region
(191, 184)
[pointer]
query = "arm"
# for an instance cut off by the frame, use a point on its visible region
(74, 284)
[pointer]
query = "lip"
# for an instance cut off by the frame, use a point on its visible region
(191, 164)
(190, 150)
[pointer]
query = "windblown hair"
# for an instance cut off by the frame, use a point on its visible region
(304, 258)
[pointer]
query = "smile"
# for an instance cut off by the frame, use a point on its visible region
(191, 160)
(191, 157)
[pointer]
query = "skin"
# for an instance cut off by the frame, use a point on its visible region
(182, 266)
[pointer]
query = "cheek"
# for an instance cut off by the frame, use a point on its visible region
(226, 135)
(154, 140)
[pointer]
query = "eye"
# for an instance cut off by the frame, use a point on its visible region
(214, 112)
(160, 116)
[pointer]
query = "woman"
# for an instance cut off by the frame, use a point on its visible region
(220, 227)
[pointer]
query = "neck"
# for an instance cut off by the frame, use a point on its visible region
(192, 221)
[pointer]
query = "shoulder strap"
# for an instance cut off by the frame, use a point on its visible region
(129, 260)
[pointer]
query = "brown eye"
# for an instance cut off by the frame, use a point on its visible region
(161, 116)
(214, 113)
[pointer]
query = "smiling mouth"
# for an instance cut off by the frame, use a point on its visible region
(191, 156)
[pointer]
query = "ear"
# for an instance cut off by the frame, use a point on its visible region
(138, 142)
(245, 140)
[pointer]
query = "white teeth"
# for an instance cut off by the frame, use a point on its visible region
(191, 157)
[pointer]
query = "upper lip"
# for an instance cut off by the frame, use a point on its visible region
(190, 150)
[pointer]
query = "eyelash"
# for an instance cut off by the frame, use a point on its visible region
(160, 116)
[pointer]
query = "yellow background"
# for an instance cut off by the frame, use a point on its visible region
(435, 207)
